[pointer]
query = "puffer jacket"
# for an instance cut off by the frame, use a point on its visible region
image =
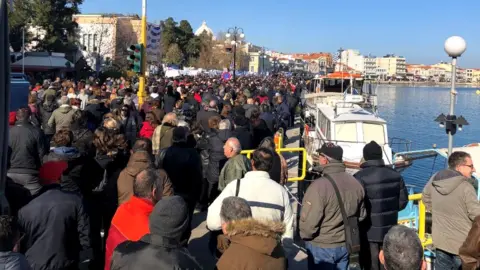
(46, 110)
(216, 141)
(385, 196)
(452, 200)
(61, 118)
(469, 252)
(254, 245)
(10, 260)
(153, 252)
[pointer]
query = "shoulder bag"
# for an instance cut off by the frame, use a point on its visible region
(352, 233)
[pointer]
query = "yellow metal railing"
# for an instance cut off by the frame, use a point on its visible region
(421, 219)
(248, 153)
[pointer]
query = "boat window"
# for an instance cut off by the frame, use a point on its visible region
(373, 132)
(346, 132)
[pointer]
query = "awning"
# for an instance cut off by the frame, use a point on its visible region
(43, 63)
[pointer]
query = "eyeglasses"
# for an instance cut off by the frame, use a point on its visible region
(471, 166)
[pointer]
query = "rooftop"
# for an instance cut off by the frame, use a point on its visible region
(353, 114)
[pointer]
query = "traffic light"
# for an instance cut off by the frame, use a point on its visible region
(135, 58)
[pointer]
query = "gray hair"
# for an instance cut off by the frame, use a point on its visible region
(234, 143)
(402, 249)
(224, 124)
(63, 100)
(170, 118)
(234, 208)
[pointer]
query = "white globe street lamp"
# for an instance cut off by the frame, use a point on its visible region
(454, 46)
(228, 35)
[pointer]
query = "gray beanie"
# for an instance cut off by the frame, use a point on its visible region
(169, 218)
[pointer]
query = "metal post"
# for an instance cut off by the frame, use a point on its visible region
(141, 85)
(452, 102)
(234, 54)
(23, 50)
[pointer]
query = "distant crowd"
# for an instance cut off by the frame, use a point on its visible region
(94, 177)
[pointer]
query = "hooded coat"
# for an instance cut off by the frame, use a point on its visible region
(138, 162)
(46, 111)
(61, 118)
(253, 245)
(452, 200)
(470, 251)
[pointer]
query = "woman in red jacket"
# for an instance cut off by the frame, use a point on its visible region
(148, 126)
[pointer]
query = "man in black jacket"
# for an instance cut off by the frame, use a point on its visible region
(209, 110)
(385, 196)
(28, 148)
(162, 248)
(56, 229)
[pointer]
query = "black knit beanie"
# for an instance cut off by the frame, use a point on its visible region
(169, 217)
(372, 151)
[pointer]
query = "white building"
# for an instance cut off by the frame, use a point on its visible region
(204, 29)
(370, 66)
(353, 59)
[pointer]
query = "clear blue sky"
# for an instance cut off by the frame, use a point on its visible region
(415, 29)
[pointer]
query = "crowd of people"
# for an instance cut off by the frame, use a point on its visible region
(94, 174)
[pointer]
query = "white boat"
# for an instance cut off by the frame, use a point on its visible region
(342, 119)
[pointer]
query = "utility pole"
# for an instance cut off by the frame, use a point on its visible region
(141, 85)
(23, 50)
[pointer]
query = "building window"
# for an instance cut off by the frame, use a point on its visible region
(89, 39)
(94, 41)
(252, 68)
(84, 40)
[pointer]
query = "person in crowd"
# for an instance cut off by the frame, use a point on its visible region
(10, 258)
(83, 98)
(282, 113)
(61, 117)
(242, 128)
(117, 102)
(162, 136)
(61, 153)
(267, 116)
(402, 250)
(385, 196)
(46, 110)
(28, 147)
(34, 111)
(451, 198)
(82, 136)
(71, 93)
(226, 114)
(96, 110)
(292, 102)
(237, 165)
(157, 110)
(162, 247)
(111, 157)
(186, 182)
(260, 130)
(75, 103)
(215, 139)
(130, 221)
(169, 99)
(279, 170)
(249, 107)
(254, 244)
(178, 109)
(148, 126)
(273, 205)
(141, 159)
(321, 223)
(470, 250)
(209, 109)
(131, 123)
(54, 238)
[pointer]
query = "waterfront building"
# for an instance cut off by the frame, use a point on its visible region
(352, 59)
(395, 65)
(369, 67)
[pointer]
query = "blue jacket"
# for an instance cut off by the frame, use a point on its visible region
(10, 260)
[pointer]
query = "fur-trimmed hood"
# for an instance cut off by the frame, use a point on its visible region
(262, 236)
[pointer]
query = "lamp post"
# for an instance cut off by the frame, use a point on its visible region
(455, 46)
(236, 33)
(262, 56)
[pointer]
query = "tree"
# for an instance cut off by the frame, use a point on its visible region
(174, 55)
(169, 35)
(18, 18)
(55, 18)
